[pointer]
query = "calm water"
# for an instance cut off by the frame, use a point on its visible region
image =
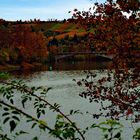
(65, 92)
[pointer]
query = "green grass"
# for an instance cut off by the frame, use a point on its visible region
(56, 26)
(81, 30)
(70, 27)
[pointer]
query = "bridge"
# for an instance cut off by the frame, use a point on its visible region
(64, 55)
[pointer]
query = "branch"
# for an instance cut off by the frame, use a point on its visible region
(58, 110)
(27, 115)
(3, 136)
(27, 90)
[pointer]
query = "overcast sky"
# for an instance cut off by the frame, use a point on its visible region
(41, 9)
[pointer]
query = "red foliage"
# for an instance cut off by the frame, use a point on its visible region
(22, 44)
(115, 34)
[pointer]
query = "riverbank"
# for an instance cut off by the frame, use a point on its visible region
(9, 67)
(23, 66)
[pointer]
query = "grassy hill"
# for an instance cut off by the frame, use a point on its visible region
(58, 29)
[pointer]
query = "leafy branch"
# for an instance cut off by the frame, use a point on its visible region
(40, 102)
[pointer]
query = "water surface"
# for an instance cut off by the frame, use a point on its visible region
(65, 92)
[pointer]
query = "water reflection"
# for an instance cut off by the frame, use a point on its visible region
(89, 65)
(65, 66)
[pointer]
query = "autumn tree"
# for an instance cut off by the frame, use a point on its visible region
(30, 46)
(19, 44)
(117, 33)
(5, 43)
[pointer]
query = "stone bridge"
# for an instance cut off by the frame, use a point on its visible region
(61, 56)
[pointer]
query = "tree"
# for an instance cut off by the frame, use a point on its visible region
(129, 5)
(64, 128)
(32, 46)
(117, 35)
(18, 43)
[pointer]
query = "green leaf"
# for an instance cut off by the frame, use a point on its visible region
(41, 105)
(5, 114)
(5, 120)
(11, 101)
(6, 109)
(49, 89)
(33, 88)
(118, 135)
(43, 112)
(94, 125)
(106, 136)
(137, 134)
(38, 115)
(38, 88)
(105, 129)
(71, 112)
(34, 124)
(35, 138)
(15, 118)
(15, 112)
(59, 125)
(23, 102)
(12, 125)
(23, 132)
(65, 135)
(59, 116)
(43, 93)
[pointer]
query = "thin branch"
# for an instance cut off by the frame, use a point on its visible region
(58, 110)
(3, 136)
(55, 108)
(27, 115)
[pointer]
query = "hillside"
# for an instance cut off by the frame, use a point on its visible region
(58, 29)
(38, 42)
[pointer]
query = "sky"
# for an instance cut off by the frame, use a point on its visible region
(41, 9)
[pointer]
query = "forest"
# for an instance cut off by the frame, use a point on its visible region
(36, 42)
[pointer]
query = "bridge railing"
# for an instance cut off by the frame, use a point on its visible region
(76, 53)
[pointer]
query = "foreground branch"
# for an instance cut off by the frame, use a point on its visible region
(27, 115)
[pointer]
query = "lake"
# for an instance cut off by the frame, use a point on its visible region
(65, 92)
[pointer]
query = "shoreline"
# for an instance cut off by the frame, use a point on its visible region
(35, 65)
